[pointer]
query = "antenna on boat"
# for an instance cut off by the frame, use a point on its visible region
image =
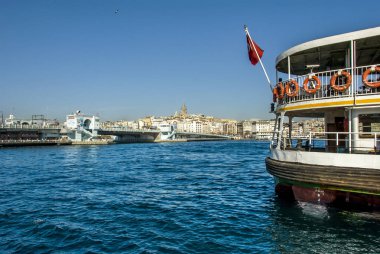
(257, 55)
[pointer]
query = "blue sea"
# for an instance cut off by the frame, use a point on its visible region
(199, 197)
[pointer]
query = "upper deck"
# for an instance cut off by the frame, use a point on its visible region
(339, 64)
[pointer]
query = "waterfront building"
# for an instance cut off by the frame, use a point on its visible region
(239, 129)
(183, 126)
(148, 122)
(247, 128)
(202, 124)
(216, 128)
(229, 127)
(199, 123)
(79, 120)
(81, 127)
(196, 127)
(263, 129)
(206, 127)
(156, 122)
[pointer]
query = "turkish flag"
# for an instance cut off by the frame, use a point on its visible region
(253, 56)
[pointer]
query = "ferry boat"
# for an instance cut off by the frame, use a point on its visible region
(335, 78)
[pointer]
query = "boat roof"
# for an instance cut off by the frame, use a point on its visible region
(330, 52)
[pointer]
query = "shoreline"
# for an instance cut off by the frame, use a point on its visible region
(25, 143)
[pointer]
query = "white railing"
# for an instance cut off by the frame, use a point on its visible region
(360, 88)
(24, 126)
(326, 91)
(10, 141)
(336, 142)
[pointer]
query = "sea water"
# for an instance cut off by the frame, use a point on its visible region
(200, 197)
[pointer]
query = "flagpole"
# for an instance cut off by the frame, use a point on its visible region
(257, 54)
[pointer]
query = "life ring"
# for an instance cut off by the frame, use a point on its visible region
(288, 88)
(342, 87)
(279, 91)
(365, 77)
(306, 84)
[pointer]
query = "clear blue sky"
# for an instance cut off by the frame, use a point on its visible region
(152, 56)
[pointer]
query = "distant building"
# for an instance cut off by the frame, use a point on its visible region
(247, 129)
(81, 121)
(239, 129)
(182, 121)
(230, 127)
(82, 127)
(196, 127)
(263, 129)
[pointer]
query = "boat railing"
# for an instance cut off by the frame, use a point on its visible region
(357, 86)
(333, 142)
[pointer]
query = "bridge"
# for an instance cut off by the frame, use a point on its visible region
(21, 136)
(125, 135)
(192, 136)
(29, 133)
(33, 135)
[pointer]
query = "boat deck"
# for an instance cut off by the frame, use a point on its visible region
(357, 93)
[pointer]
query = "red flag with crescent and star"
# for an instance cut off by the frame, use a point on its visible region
(254, 55)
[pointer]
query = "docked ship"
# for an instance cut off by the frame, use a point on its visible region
(337, 79)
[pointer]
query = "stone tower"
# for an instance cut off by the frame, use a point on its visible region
(184, 110)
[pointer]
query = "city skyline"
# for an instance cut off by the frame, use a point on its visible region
(175, 111)
(130, 59)
(179, 122)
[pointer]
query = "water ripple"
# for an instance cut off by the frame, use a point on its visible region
(206, 197)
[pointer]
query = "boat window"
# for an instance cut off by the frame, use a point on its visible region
(369, 123)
